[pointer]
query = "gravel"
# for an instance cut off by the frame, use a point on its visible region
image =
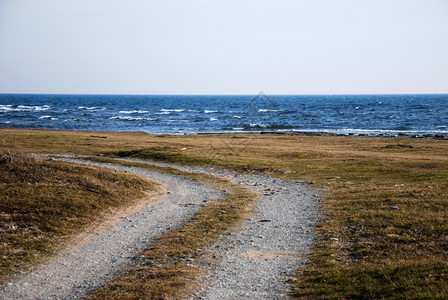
(254, 261)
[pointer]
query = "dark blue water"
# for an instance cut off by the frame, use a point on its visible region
(371, 114)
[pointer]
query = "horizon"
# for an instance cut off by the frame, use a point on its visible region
(212, 95)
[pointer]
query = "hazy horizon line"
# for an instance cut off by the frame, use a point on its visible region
(255, 94)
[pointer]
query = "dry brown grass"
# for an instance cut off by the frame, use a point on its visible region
(42, 202)
(385, 227)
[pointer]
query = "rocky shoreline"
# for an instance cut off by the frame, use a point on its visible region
(380, 135)
(439, 136)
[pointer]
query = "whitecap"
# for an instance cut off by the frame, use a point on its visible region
(258, 125)
(88, 108)
(172, 110)
(5, 108)
(25, 107)
(213, 119)
(131, 119)
(237, 117)
(133, 111)
(29, 108)
(45, 117)
(210, 111)
(40, 108)
(268, 110)
(21, 108)
(126, 118)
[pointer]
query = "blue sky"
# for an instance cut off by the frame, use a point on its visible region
(223, 46)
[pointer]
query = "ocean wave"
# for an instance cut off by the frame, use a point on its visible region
(42, 108)
(213, 119)
(125, 118)
(34, 107)
(49, 118)
(210, 111)
(133, 112)
(237, 117)
(5, 108)
(258, 125)
(268, 110)
(23, 108)
(89, 108)
(172, 110)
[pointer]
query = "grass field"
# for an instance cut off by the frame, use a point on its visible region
(384, 231)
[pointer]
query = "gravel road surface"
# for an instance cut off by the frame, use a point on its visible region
(255, 261)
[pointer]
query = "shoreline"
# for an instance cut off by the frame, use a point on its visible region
(349, 134)
(317, 133)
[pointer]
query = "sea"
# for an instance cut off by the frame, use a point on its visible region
(384, 115)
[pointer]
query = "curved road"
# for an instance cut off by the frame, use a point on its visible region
(253, 262)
